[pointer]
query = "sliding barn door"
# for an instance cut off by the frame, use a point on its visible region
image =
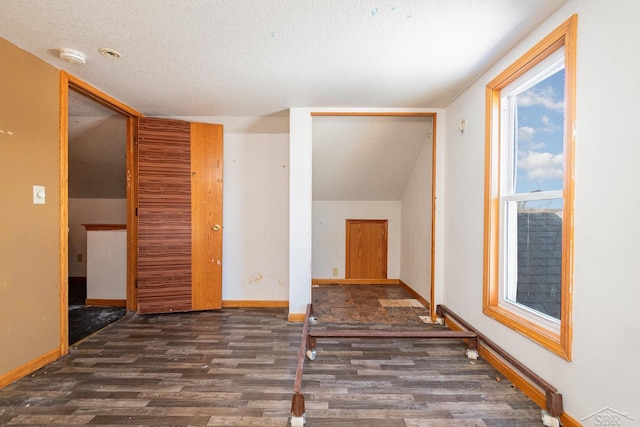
(179, 216)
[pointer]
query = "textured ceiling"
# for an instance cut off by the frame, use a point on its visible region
(251, 60)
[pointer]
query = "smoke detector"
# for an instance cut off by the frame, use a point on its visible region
(73, 56)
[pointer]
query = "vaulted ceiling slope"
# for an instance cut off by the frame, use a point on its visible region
(97, 150)
(366, 158)
(256, 58)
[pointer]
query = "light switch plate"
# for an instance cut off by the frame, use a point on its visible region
(39, 195)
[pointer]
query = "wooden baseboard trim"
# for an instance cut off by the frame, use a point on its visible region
(29, 367)
(297, 317)
(518, 380)
(255, 304)
(355, 281)
(107, 302)
(415, 294)
(569, 421)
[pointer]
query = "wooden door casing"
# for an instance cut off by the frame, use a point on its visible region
(366, 249)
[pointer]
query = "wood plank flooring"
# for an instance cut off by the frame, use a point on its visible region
(236, 367)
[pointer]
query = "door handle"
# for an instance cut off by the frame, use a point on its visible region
(216, 227)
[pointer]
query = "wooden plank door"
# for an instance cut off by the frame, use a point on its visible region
(179, 216)
(366, 249)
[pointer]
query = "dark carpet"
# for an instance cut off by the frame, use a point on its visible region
(85, 320)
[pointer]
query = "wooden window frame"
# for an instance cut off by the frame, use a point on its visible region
(556, 341)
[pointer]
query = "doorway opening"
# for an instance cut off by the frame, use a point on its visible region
(97, 206)
(88, 168)
(378, 166)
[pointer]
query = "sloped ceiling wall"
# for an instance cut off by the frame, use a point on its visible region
(97, 150)
(365, 158)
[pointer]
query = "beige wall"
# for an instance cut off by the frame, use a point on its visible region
(30, 237)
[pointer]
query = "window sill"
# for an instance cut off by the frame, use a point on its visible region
(548, 339)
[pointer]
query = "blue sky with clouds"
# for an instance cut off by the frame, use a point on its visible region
(540, 154)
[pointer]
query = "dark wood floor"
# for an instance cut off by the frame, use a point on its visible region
(236, 367)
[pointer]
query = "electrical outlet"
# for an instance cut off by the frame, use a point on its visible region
(335, 272)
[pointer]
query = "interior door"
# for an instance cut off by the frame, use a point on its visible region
(206, 215)
(179, 216)
(366, 249)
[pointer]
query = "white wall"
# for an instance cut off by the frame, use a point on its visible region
(255, 239)
(256, 217)
(604, 371)
(300, 156)
(329, 232)
(90, 211)
(416, 225)
(107, 264)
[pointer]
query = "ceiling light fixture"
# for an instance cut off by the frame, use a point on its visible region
(109, 53)
(73, 56)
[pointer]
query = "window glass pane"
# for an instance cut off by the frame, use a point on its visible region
(539, 124)
(539, 255)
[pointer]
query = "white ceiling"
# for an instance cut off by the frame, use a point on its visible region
(261, 57)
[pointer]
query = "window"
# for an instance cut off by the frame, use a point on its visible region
(529, 192)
